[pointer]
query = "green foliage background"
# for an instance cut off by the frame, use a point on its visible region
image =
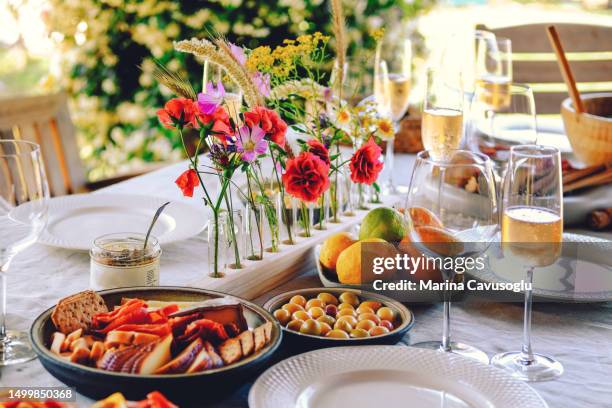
(105, 41)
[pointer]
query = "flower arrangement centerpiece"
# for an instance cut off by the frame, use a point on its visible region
(294, 82)
(236, 138)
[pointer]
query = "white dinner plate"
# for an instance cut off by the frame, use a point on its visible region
(582, 274)
(389, 376)
(76, 220)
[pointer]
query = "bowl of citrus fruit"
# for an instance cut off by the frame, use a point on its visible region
(342, 259)
(324, 317)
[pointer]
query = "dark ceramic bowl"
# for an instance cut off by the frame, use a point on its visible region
(188, 389)
(299, 341)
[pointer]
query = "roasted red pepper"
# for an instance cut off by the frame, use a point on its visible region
(161, 329)
(138, 316)
(101, 319)
(179, 323)
(161, 315)
(206, 329)
(155, 399)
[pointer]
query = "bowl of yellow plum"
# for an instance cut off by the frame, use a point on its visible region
(324, 317)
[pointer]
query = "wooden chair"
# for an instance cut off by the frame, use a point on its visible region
(45, 119)
(590, 56)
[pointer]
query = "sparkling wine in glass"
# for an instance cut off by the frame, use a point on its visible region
(393, 71)
(445, 222)
(24, 196)
(493, 74)
(532, 233)
(442, 117)
(496, 127)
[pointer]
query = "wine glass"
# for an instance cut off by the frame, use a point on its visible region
(393, 66)
(502, 117)
(531, 235)
(232, 99)
(447, 218)
(442, 121)
(493, 66)
(24, 196)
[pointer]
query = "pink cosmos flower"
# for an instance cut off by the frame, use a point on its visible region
(209, 101)
(251, 143)
(263, 83)
(238, 53)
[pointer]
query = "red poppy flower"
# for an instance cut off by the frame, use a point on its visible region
(365, 165)
(220, 121)
(178, 112)
(187, 181)
(306, 177)
(318, 149)
(269, 121)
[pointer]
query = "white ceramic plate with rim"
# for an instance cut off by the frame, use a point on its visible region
(583, 274)
(394, 376)
(76, 220)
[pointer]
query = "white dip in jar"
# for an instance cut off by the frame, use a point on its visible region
(119, 260)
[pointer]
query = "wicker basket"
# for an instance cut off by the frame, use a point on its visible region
(590, 134)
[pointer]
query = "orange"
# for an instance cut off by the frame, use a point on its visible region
(333, 247)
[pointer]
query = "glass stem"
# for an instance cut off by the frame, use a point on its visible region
(389, 163)
(526, 352)
(446, 321)
(3, 270)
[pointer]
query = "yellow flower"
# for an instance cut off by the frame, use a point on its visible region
(385, 128)
(377, 33)
(343, 118)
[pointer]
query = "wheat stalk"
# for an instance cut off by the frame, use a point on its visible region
(173, 81)
(338, 28)
(209, 51)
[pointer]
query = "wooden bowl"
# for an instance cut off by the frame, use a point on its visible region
(590, 134)
(188, 389)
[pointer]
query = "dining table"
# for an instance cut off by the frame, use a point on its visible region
(578, 335)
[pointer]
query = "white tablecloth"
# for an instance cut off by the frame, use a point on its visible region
(580, 336)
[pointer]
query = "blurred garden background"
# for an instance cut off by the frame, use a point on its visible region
(94, 51)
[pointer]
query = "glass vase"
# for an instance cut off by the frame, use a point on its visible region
(235, 230)
(219, 244)
(289, 211)
(336, 197)
(362, 196)
(349, 194)
(322, 211)
(273, 212)
(305, 219)
(253, 232)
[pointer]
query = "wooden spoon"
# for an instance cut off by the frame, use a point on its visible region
(566, 71)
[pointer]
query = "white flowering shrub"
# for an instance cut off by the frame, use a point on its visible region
(105, 41)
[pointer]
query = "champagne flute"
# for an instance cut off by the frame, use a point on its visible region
(493, 70)
(445, 222)
(24, 196)
(442, 122)
(393, 64)
(531, 234)
(497, 127)
(233, 94)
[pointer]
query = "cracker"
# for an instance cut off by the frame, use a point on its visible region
(230, 351)
(247, 342)
(260, 337)
(267, 327)
(76, 311)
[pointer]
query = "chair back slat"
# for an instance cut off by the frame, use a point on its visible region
(45, 120)
(588, 48)
(575, 37)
